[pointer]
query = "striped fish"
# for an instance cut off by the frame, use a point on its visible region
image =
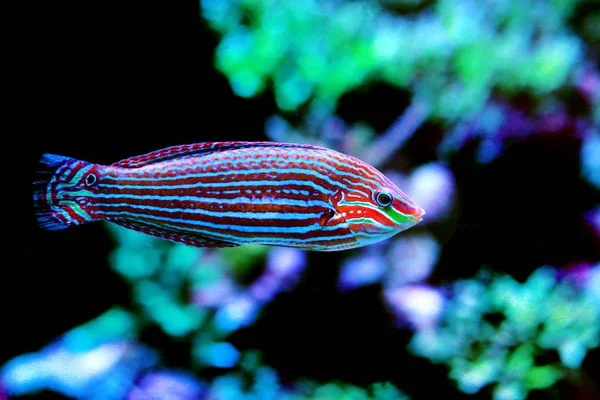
(226, 194)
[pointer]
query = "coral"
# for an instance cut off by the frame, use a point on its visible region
(317, 51)
(460, 61)
(494, 330)
(590, 158)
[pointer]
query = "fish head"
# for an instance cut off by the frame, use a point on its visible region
(65, 191)
(376, 213)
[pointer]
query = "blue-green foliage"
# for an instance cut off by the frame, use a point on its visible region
(100, 360)
(255, 381)
(452, 54)
(97, 360)
(590, 158)
(160, 291)
(494, 329)
(114, 325)
(165, 277)
(459, 61)
(158, 270)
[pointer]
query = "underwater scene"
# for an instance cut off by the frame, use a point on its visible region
(263, 200)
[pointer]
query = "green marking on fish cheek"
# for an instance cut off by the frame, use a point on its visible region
(391, 212)
(397, 216)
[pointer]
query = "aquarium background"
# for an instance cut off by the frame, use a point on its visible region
(486, 113)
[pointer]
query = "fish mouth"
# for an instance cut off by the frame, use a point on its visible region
(414, 218)
(418, 216)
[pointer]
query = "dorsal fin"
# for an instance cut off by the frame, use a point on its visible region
(187, 150)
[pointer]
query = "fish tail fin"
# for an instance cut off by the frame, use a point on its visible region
(57, 189)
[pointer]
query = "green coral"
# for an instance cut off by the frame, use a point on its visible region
(114, 325)
(254, 380)
(494, 330)
(162, 274)
(458, 51)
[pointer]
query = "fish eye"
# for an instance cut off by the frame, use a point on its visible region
(384, 199)
(90, 179)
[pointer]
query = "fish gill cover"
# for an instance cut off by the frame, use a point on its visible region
(486, 113)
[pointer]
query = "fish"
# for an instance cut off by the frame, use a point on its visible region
(226, 194)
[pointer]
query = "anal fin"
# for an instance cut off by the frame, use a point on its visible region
(192, 239)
